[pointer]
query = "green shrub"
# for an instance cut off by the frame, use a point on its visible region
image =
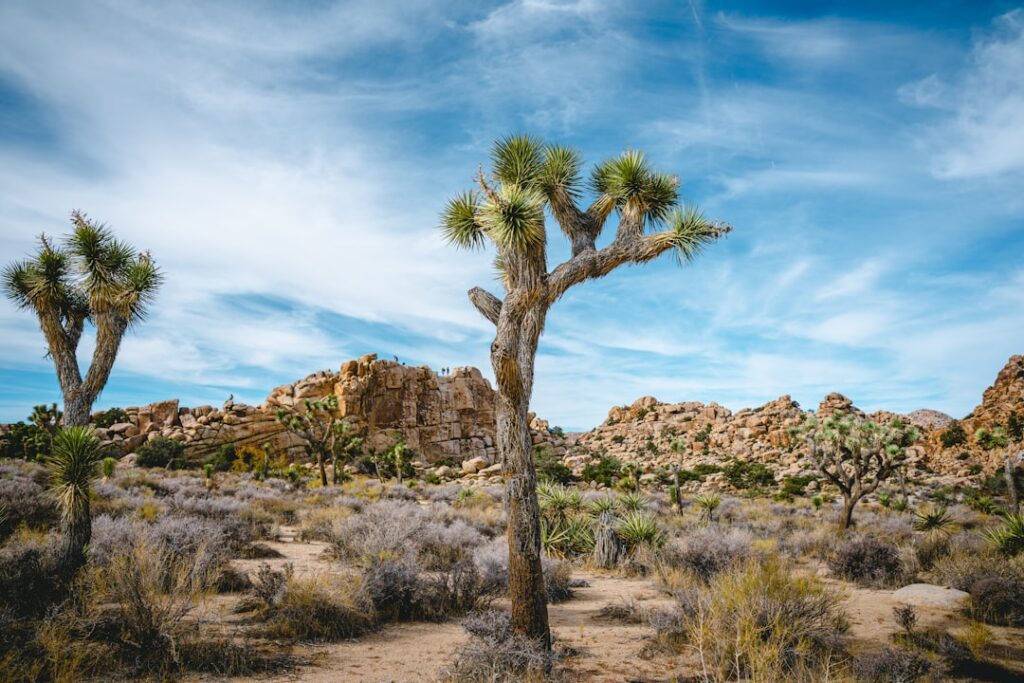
(107, 467)
(1009, 537)
(745, 475)
(109, 418)
(25, 441)
(793, 487)
(954, 435)
(221, 460)
(162, 452)
(550, 467)
(604, 471)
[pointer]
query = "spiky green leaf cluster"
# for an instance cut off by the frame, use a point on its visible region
(73, 465)
(91, 273)
(629, 179)
(514, 218)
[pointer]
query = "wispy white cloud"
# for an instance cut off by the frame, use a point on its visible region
(981, 132)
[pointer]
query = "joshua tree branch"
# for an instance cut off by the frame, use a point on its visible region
(486, 303)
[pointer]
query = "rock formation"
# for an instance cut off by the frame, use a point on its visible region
(451, 418)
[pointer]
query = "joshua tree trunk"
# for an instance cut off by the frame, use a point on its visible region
(1012, 499)
(75, 536)
(323, 468)
(846, 517)
(525, 573)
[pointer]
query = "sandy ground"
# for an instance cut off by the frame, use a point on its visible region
(602, 650)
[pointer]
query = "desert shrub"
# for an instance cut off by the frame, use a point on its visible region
(794, 486)
(759, 622)
(27, 501)
(383, 529)
(953, 435)
(604, 471)
(707, 552)
(893, 665)
(395, 589)
(318, 523)
(441, 546)
(221, 460)
(998, 600)
(744, 475)
(30, 580)
(109, 418)
(495, 654)
(318, 608)
(162, 452)
(27, 441)
(153, 590)
(550, 467)
(963, 568)
(492, 564)
(867, 561)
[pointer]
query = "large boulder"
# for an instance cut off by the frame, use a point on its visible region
(929, 595)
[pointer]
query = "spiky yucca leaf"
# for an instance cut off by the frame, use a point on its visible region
(140, 282)
(688, 233)
(561, 170)
(1009, 537)
(638, 528)
(460, 222)
(633, 502)
(598, 506)
(933, 520)
(73, 465)
(518, 160)
(514, 219)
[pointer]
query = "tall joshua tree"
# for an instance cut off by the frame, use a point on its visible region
(316, 424)
(90, 277)
(508, 210)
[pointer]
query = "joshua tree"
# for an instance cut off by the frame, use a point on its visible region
(508, 211)
(856, 455)
(315, 425)
(346, 446)
(91, 277)
(73, 465)
(396, 456)
(47, 419)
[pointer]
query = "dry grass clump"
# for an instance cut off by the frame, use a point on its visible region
(893, 665)
(705, 553)
(494, 654)
(757, 622)
(317, 608)
(868, 561)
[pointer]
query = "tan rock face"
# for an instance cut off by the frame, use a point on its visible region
(1005, 396)
(441, 417)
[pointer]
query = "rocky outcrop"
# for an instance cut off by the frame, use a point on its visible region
(452, 417)
(442, 417)
(1003, 398)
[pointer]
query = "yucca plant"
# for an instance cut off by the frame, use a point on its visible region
(933, 520)
(708, 504)
(573, 536)
(633, 502)
(508, 211)
(557, 502)
(598, 506)
(108, 466)
(91, 277)
(631, 471)
(901, 505)
(638, 529)
(73, 466)
(1008, 538)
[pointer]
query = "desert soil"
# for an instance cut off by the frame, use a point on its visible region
(598, 649)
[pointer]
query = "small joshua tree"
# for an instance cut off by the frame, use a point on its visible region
(396, 455)
(73, 465)
(91, 277)
(856, 455)
(346, 447)
(47, 420)
(316, 425)
(632, 471)
(508, 211)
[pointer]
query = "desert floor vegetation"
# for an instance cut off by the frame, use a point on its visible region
(192, 575)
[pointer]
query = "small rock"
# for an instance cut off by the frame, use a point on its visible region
(929, 595)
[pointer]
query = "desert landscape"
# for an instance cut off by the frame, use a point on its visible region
(511, 341)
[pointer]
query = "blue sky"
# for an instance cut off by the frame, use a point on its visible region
(286, 165)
